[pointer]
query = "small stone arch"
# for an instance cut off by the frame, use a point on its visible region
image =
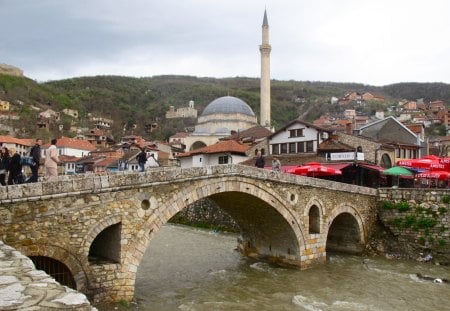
(385, 161)
(96, 229)
(196, 145)
(57, 253)
(314, 215)
(347, 217)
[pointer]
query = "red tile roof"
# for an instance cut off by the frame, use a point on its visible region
(229, 146)
(72, 143)
(20, 141)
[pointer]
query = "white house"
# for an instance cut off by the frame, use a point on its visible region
(297, 137)
(224, 152)
(72, 147)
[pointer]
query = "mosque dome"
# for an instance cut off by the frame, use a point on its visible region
(228, 105)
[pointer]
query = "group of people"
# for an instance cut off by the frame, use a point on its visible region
(11, 164)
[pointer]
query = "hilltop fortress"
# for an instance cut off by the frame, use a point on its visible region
(10, 70)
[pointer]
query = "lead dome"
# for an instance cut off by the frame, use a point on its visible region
(228, 105)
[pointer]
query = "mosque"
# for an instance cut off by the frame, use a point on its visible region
(227, 115)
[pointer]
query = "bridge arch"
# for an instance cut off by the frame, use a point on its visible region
(273, 234)
(63, 256)
(346, 232)
(313, 214)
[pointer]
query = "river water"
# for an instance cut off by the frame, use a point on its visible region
(193, 269)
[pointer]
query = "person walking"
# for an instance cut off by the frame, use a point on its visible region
(14, 168)
(51, 161)
(260, 163)
(35, 153)
(4, 163)
(276, 164)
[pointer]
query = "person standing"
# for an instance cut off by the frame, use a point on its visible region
(4, 163)
(51, 161)
(260, 163)
(276, 164)
(35, 153)
(14, 168)
(142, 159)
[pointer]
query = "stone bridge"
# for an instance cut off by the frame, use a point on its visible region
(91, 231)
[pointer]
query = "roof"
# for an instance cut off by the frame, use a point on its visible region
(226, 146)
(13, 140)
(334, 145)
(388, 130)
(255, 133)
(228, 105)
(307, 124)
(66, 142)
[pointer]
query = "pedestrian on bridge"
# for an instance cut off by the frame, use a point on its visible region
(4, 163)
(276, 164)
(260, 163)
(35, 153)
(51, 161)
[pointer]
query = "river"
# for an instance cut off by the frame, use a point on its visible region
(193, 269)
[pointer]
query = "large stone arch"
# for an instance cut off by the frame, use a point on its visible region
(62, 255)
(217, 189)
(350, 214)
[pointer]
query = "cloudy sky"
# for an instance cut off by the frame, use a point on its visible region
(375, 42)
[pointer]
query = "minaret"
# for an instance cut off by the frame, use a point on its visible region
(265, 49)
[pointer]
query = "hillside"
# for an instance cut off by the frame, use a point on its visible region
(139, 101)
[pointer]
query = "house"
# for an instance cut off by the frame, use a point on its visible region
(297, 137)
(96, 137)
(72, 147)
(4, 105)
(21, 145)
(407, 144)
(223, 152)
(68, 164)
(71, 112)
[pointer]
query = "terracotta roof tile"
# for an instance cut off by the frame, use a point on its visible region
(72, 143)
(230, 146)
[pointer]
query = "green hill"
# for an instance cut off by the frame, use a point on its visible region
(140, 101)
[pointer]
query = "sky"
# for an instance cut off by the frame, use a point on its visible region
(374, 42)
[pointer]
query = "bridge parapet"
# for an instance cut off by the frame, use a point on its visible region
(98, 183)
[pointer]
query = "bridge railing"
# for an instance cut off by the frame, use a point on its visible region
(95, 183)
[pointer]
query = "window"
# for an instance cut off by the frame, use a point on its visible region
(296, 133)
(223, 159)
(301, 147)
(310, 146)
(283, 148)
(275, 149)
(263, 151)
(292, 148)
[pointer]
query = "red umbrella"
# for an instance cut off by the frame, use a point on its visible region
(417, 163)
(440, 175)
(315, 169)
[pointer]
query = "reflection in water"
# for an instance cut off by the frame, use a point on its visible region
(191, 269)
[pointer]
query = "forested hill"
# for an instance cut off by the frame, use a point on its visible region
(139, 101)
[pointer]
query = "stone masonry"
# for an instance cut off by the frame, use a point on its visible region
(25, 288)
(99, 226)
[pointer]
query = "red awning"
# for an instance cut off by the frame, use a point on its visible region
(337, 166)
(373, 167)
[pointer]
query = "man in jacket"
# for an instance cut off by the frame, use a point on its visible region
(35, 153)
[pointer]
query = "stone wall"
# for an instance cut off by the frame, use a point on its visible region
(24, 287)
(419, 219)
(372, 150)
